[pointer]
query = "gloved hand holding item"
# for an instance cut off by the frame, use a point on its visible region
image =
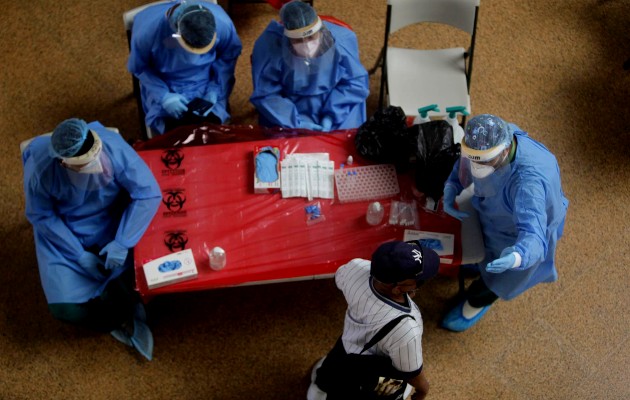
(174, 104)
(327, 123)
(449, 203)
(310, 125)
(212, 96)
(509, 259)
(116, 254)
(89, 262)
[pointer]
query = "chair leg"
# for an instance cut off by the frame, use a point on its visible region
(626, 65)
(378, 63)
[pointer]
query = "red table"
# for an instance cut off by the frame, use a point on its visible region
(206, 176)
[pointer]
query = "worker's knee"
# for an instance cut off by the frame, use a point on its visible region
(73, 313)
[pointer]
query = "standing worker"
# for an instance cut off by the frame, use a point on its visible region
(379, 301)
(307, 73)
(180, 53)
(522, 209)
(90, 197)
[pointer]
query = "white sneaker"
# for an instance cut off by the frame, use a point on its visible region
(314, 392)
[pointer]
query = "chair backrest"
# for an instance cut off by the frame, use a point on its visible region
(457, 13)
(24, 144)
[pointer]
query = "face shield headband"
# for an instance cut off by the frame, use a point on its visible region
(305, 32)
(177, 35)
(89, 156)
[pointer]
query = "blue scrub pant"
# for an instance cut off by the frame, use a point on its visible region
(107, 312)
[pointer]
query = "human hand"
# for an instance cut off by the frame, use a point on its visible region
(212, 97)
(89, 262)
(509, 259)
(174, 104)
(116, 254)
(310, 125)
(449, 203)
(327, 124)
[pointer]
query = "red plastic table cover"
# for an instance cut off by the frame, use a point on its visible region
(206, 175)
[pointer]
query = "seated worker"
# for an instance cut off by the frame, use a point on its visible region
(90, 197)
(518, 196)
(307, 73)
(180, 53)
(378, 292)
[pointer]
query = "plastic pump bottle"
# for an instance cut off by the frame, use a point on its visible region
(458, 131)
(423, 114)
(375, 213)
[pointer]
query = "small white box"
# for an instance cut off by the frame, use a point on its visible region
(172, 268)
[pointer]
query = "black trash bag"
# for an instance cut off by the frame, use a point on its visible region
(436, 155)
(385, 139)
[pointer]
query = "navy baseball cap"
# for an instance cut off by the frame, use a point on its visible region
(397, 261)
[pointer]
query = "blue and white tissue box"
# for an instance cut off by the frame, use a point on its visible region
(172, 268)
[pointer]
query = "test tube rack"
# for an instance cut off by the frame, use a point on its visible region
(371, 182)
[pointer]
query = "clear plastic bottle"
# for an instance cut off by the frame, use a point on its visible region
(375, 213)
(217, 258)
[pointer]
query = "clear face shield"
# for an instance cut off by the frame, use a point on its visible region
(488, 170)
(309, 42)
(91, 170)
(176, 17)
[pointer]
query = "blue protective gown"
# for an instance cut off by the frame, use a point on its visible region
(286, 94)
(528, 213)
(71, 212)
(162, 65)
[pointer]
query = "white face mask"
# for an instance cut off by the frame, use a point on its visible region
(307, 49)
(93, 167)
(480, 171)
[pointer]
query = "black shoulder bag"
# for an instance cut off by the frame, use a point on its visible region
(360, 376)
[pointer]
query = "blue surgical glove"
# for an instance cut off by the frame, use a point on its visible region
(509, 259)
(90, 262)
(116, 254)
(309, 125)
(449, 203)
(174, 104)
(211, 97)
(327, 124)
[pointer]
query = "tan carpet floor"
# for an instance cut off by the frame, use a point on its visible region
(552, 67)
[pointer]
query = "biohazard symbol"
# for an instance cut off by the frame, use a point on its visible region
(172, 158)
(176, 240)
(174, 199)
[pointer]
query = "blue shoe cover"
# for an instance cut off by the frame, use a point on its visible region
(142, 339)
(267, 165)
(139, 312)
(456, 322)
(122, 336)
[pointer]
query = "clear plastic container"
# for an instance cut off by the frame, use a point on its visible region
(375, 213)
(217, 258)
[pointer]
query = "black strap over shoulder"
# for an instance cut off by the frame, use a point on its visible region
(384, 331)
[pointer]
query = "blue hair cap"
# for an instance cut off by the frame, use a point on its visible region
(297, 15)
(486, 131)
(68, 137)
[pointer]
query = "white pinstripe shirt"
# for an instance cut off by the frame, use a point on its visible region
(368, 311)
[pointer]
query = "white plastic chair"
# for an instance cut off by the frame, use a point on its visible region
(25, 143)
(128, 18)
(413, 78)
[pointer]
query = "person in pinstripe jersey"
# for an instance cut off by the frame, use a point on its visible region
(378, 292)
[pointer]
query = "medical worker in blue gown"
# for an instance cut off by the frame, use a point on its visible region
(181, 51)
(307, 73)
(521, 207)
(90, 197)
